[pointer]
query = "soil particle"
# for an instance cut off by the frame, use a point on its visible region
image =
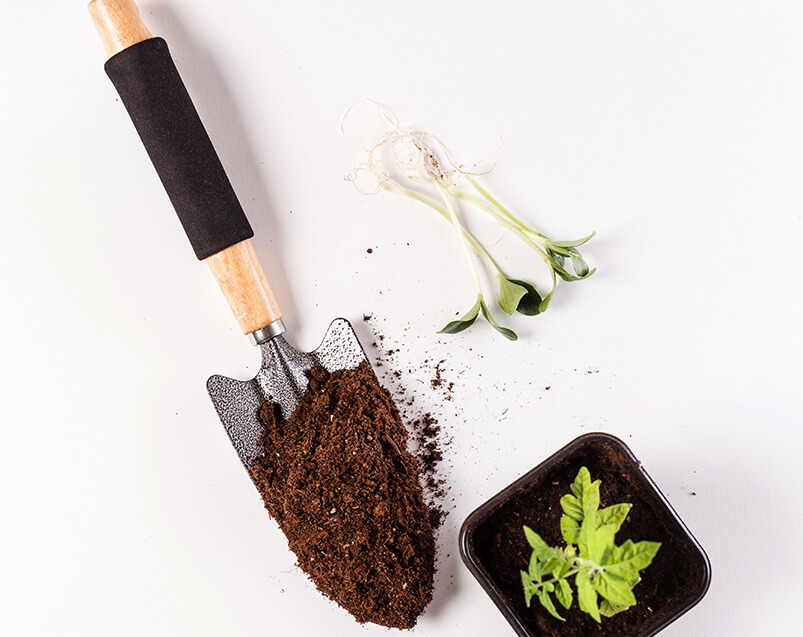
(439, 381)
(426, 436)
(338, 479)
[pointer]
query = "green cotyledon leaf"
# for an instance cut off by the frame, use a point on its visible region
(578, 263)
(463, 322)
(504, 331)
(510, 294)
(556, 258)
(567, 276)
(530, 303)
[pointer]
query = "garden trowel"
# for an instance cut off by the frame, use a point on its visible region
(149, 85)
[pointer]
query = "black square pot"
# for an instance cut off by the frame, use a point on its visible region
(493, 546)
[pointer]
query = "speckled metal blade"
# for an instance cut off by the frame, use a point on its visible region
(282, 379)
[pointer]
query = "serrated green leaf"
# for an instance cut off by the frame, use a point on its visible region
(463, 322)
(553, 563)
(535, 541)
(587, 529)
(534, 567)
(510, 294)
(530, 589)
(605, 573)
(567, 559)
(546, 602)
(530, 303)
(582, 479)
(504, 331)
(585, 491)
(572, 507)
(630, 558)
(615, 515)
(563, 593)
(586, 595)
(614, 589)
(570, 529)
(600, 544)
(591, 497)
(606, 609)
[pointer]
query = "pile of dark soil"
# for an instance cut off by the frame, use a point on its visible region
(339, 480)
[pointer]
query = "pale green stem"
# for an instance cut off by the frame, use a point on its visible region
(501, 208)
(514, 229)
(554, 579)
(586, 565)
(520, 232)
(461, 232)
(479, 203)
(524, 226)
(481, 251)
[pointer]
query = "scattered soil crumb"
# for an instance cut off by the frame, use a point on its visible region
(427, 440)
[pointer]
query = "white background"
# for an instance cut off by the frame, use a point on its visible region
(673, 129)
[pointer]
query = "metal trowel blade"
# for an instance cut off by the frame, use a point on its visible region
(282, 379)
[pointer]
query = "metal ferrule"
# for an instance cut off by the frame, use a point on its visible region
(266, 333)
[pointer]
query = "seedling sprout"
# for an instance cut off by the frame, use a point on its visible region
(604, 573)
(423, 169)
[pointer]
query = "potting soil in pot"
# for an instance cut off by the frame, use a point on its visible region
(668, 583)
(339, 480)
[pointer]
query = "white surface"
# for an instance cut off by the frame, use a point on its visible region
(673, 129)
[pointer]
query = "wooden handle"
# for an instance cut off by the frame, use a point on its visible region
(118, 24)
(236, 268)
(245, 287)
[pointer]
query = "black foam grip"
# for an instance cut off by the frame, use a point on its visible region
(179, 147)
